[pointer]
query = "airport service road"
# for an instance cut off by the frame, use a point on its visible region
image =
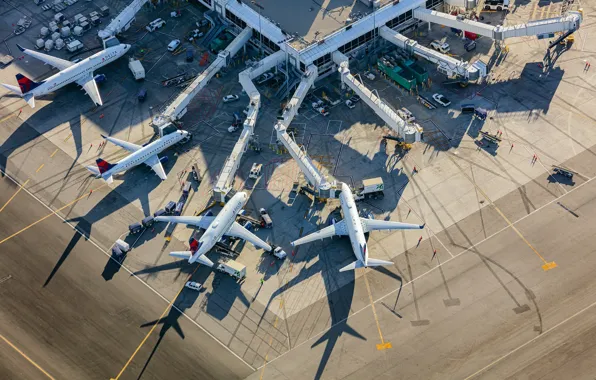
(489, 312)
(80, 326)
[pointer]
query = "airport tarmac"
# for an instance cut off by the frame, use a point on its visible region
(74, 324)
(46, 150)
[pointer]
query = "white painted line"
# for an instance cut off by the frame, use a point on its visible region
(90, 240)
(433, 269)
(532, 340)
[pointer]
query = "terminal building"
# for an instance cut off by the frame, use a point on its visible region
(310, 34)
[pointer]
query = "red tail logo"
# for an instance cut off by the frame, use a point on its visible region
(26, 84)
(103, 165)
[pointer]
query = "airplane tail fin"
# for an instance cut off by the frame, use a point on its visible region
(182, 254)
(376, 262)
(103, 165)
(26, 84)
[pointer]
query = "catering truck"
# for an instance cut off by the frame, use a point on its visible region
(232, 268)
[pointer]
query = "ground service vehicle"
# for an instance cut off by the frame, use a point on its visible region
(439, 46)
(255, 171)
(137, 69)
(155, 24)
(194, 285)
(371, 188)
(279, 253)
(232, 268)
(230, 98)
(350, 104)
(265, 219)
(442, 100)
(496, 5)
(173, 45)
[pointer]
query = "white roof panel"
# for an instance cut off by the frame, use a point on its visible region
(251, 18)
(362, 26)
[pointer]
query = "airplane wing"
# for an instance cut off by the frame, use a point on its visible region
(123, 144)
(90, 87)
(58, 63)
(155, 164)
(372, 225)
(199, 221)
(236, 230)
(338, 228)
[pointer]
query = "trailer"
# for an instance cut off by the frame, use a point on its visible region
(232, 268)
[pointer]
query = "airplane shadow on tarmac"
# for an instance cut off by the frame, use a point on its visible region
(109, 204)
(185, 300)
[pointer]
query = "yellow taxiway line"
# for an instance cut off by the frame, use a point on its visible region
(14, 195)
(53, 154)
(383, 345)
(546, 265)
(152, 329)
(39, 168)
(47, 216)
(26, 357)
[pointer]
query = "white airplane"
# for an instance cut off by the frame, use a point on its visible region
(215, 228)
(141, 154)
(355, 227)
(81, 73)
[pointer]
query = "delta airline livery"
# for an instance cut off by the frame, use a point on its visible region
(355, 227)
(81, 73)
(215, 228)
(141, 154)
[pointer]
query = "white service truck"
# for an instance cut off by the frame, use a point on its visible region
(232, 268)
(137, 69)
(74, 46)
(371, 188)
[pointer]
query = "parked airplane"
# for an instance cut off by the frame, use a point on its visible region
(355, 227)
(215, 228)
(141, 154)
(81, 73)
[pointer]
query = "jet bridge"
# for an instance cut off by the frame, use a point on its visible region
(408, 133)
(570, 21)
(123, 21)
(225, 179)
(445, 64)
(177, 108)
(322, 188)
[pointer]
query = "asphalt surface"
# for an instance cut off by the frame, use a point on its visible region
(80, 326)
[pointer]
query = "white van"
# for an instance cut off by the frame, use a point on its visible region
(155, 24)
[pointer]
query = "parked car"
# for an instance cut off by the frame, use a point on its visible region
(230, 98)
(264, 78)
(442, 100)
(439, 46)
(190, 55)
(173, 45)
(405, 114)
(355, 99)
(194, 285)
(350, 104)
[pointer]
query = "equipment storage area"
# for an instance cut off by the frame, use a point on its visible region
(397, 73)
(137, 69)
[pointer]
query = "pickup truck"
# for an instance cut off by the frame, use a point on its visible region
(265, 219)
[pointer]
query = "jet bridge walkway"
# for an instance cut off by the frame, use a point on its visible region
(408, 133)
(178, 107)
(570, 21)
(445, 64)
(322, 187)
(225, 180)
(122, 22)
